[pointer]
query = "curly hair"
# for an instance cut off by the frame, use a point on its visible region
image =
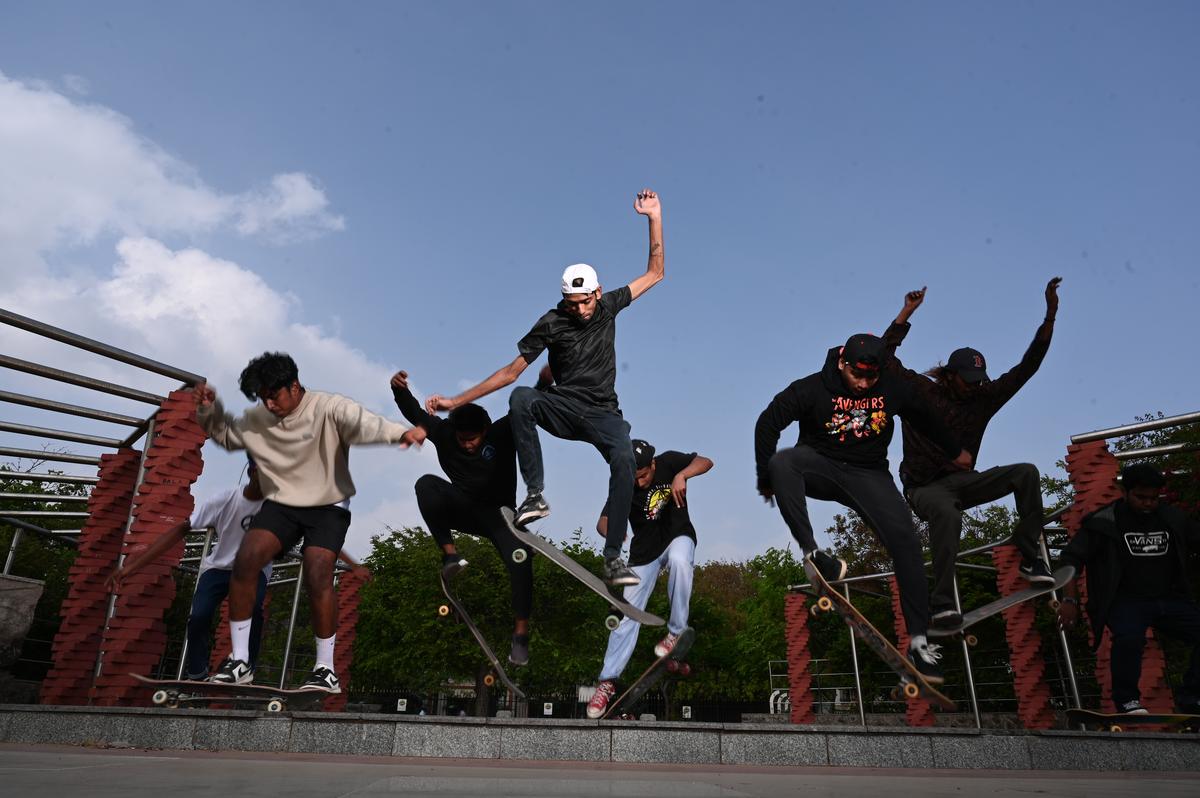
(267, 373)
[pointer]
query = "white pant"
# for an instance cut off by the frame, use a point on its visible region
(679, 557)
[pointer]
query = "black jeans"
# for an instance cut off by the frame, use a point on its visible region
(801, 472)
(529, 409)
(211, 589)
(445, 506)
(1128, 620)
(941, 504)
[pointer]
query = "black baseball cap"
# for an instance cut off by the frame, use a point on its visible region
(969, 364)
(643, 453)
(863, 352)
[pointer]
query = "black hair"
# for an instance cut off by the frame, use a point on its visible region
(1141, 475)
(268, 372)
(470, 418)
(940, 373)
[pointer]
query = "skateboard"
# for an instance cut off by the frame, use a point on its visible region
(672, 663)
(1122, 721)
(1061, 577)
(912, 683)
(458, 609)
(175, 693)
(590, 580)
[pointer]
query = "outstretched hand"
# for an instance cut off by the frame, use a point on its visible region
(400, 380)
(203, 395)
(113, 583)
(437, 402)
(768, 495)
(647, 204)
(964, 461)
(679, 490)
(414, 437)
(1052, 297)
(913, 299)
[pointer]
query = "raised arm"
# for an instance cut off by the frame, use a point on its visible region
(211, 415)
(647, 205)
(410, 408)
(896, 332)
(1006, 385)
(505, 376)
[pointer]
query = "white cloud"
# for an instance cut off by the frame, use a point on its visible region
(77, 84)
(293, 207)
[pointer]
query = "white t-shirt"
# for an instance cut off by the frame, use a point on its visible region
(229, 513)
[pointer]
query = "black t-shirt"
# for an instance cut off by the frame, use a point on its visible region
(583, 355)
(1149, 563)
(653, 516)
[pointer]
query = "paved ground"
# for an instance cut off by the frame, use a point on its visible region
(62, 770)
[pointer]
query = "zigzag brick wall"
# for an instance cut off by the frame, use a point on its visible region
(136, 635)
(84, 609)
(350, 586)
(1024, 644)
(919, 712)
(795, 611)
(1093, 471)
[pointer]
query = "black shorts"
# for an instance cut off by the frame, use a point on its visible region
(324, 527)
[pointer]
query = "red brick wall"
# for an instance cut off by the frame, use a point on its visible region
(919, 712)
(1024, 644)
(800, 695)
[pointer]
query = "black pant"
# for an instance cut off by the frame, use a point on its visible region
(941, 504)
(1127, 622)
(802, 472)
(529, 409)
(211, 589)
(445, 506)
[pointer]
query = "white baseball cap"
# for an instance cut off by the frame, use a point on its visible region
(579, 278)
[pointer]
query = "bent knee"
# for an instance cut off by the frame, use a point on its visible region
(521, 398)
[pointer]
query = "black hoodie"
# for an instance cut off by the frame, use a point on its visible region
(842, 426)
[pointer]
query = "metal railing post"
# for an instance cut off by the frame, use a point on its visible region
(183, 652)
(287, 648)
(862, 712)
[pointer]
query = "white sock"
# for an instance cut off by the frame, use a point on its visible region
(917, 641)
(239, 635)
(325, 651)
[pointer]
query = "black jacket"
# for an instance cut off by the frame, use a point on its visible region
(924, 461)
(844, 427)
(1095, 547)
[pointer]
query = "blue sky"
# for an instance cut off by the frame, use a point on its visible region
(398, 185)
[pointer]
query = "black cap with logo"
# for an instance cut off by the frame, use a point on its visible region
(643, 453)
(863, 352)
(969, 364)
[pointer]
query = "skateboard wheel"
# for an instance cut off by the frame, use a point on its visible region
(685, 669)
(160, 697)
(1114, 728)
(911, 690)
(444, 610)
(672, 666)
(275, 705)
(1054, 604)
(611, 622)
(489, 680)
(520, 555)
(825, 603)
(972, 640)
(814, 610)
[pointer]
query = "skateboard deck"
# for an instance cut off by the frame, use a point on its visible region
(465, 617)
(1061, 577)
(1122, 721)
(651, 676)
(589, 579)
(912, 683)
(179, 692)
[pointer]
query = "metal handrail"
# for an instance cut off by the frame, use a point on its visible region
(1133, 429)
(74, 410)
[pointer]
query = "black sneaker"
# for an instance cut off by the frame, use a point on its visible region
(946, 620)
(618, 574)
(233, 671)
(519, 653)
(831, 568)
(927, 660)
(1036, 572)
(322, 679)
(533, 508)
(1133, 707)
(451, 565)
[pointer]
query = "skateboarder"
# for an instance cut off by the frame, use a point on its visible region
(938, 492)
(845, 413)
(1135, 551)
(229, 513)
(301, 441)
(663, 536)
(480, 458)
(580, 333)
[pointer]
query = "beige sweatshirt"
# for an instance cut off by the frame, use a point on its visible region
(303, 459)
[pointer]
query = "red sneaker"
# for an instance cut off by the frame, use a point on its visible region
(599, 703)
(664, 646)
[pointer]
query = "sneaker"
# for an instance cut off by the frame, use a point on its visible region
(451, 565)
(519, 653)
(533, 508)
(618, 574)
(322, 679)
(927, 659)
(666, 645)
(946, 619)
(233, 671)
(831, 568)
(1133, 707)
(599, 703)
(1036, 572)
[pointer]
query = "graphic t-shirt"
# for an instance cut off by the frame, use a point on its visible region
(230, 514)
(653, 516)
(1149, 565)
(583, 354)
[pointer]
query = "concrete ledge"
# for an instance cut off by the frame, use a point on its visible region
(595, 741)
